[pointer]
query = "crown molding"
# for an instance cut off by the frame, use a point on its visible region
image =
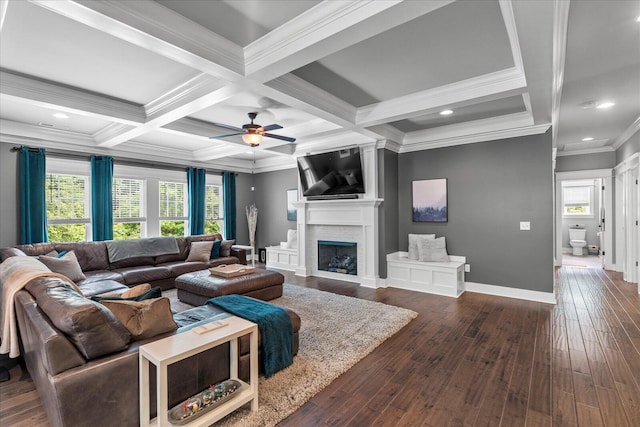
(389, 145)
(491, 135)
(506, 7)
(606, 149)
(40, 133)
(3, 11)
(560, 26)
(49, 95)
(496, 85)
(627, 164)
(153, 27)
(628, 133)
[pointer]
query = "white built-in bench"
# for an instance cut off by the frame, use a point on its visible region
(282, 258)
(442, 278)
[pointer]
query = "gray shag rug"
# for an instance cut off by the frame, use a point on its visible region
(336, 332)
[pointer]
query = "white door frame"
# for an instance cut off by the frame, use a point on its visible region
(606, 176)
(627, 174)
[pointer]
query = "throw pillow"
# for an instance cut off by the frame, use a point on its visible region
(215, 250)
(292, 239)
(131, 292)
(225, 247)
(67, 265)
(200, 251)
(155, 292)
(433, 250)
(414, 239)
(143, 319)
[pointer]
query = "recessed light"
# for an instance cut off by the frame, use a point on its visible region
(606, 104)
(446, 112)
(60, 116)
(638, 19)
(587, 139)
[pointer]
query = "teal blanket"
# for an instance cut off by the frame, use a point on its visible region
(274, 325)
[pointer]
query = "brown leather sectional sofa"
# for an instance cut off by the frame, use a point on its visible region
(102, 389)
(105, 276)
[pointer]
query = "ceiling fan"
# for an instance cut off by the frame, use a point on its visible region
(252, 133)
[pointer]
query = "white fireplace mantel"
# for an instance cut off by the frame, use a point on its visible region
(356, 219)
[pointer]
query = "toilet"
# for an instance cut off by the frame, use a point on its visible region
(578, 240)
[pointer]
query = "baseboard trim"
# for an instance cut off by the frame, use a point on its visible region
(502, 291)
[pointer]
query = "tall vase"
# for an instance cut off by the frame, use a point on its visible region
(252, 221)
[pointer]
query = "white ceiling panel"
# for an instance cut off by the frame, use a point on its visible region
(57, 49)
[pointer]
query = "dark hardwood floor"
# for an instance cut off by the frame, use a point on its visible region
(474, 361)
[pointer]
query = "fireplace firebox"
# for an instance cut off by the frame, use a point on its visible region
(338, 257)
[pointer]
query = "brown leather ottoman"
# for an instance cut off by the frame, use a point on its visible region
(200, 286)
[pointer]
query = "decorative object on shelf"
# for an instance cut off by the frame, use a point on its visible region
(252, 221)
(292, 212)
(262, 254)
(430, 200)
(203, 402)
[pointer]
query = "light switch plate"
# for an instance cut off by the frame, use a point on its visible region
(525, 225)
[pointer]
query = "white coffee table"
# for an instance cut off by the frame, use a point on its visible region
(180, 346)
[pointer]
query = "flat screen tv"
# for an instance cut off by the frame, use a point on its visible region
(336, 173)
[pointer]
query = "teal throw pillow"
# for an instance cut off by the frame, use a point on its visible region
(215, 250)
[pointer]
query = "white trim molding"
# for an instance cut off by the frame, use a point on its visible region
(503, 291)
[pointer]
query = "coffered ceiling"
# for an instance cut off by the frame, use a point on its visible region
(150, 80)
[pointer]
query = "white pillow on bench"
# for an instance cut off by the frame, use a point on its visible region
(414, 240)
(433, 250)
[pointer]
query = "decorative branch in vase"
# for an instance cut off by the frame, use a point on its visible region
(252, 220)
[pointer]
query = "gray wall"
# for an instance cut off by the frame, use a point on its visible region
(580, 162)
(270, 196)
(388, 211)
(9, 225)
(629, 148)
(491, 187)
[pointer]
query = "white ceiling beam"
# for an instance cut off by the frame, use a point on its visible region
(499, 84)
(325, 29)
(560, 28)
(153, 27)
(4, 5)
(40, 93)
(184, 104)
(9, 127)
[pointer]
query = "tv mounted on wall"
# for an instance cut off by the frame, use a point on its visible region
(332, 174)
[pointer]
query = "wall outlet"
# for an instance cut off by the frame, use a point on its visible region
(467, 268)
(525, 225)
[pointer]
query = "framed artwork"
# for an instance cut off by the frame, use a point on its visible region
(430, 200)
(292, 212)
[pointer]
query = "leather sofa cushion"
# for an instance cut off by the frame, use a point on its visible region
(180, 267)
(99, 275)
(143, 274)
(91, 327)
(102, 287)
(91, 255)
(133, 262)
(9, 252)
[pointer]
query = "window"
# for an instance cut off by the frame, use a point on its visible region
(68, 207)
(128, 208)
(173, 208)
(577, 200)
(213, 212)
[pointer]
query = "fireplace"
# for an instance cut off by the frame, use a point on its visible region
(338, 257)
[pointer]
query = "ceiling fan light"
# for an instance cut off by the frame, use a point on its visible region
(253, 139)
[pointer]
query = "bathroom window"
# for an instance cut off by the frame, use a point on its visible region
(577, 200)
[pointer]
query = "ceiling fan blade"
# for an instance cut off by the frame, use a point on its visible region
(284, 138)
(224, 136)
(222, 125)
(271, 127)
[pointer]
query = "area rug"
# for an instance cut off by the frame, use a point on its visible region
(336, 332)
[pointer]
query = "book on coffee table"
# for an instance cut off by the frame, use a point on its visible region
(231, 270)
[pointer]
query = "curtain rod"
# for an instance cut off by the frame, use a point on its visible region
(120, 160)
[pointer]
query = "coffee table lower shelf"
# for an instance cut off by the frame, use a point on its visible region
(181, 346)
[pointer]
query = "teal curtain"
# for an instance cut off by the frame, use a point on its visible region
(102, 197)
(33, 202)
(195, 190)
(229, 202)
